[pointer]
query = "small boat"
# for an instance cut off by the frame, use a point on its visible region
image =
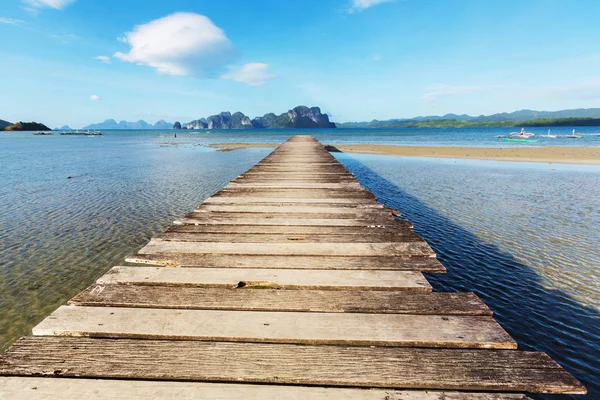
(549, 136)
(93, 133)
(521, 135)
(43, 133)
(573, 135)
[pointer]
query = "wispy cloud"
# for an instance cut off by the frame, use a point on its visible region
(360, 5)
(254, 74)
(56, 4)
(440, 91)
(11, 21)
(104, 59)
(94, 97)
(179, 44)
(376, 57)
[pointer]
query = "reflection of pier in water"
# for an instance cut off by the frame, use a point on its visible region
(291, 282)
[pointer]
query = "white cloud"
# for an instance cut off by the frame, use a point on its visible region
(10, 21)
(56, 4)
(376, 57)
(254, 74)
(94, 97)
(359, 5)
(179, 44)
(104, 59)
(441, 91)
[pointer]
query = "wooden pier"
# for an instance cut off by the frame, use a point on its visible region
(290, 283)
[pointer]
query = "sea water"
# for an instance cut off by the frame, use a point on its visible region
(523, 236)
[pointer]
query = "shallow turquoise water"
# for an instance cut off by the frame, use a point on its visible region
(524, 236)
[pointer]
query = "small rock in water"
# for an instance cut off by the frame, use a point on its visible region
(68, 177)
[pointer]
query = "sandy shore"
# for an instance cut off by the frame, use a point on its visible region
(565, 155)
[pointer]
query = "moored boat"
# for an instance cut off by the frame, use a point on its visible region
(549, 136)
(521, 135)
(573, 135)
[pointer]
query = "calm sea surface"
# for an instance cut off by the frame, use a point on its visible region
(524, 236)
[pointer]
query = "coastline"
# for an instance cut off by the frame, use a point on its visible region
(563, 155)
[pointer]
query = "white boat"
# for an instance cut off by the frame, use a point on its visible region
(573, 135)
(521, 135)
(549, 136)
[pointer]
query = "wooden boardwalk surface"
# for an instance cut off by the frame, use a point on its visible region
(291, 282)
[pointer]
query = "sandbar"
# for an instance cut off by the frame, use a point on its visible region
(563, 155)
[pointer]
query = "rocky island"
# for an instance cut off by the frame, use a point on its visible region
(299, 117)
(26, 126)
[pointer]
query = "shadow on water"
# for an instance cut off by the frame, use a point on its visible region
(538, 318)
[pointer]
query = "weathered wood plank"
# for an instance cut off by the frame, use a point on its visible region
(356, 329)
(387, 367)
(295, 175)
(295, 193)
(286, 238)
(292, 201)
(399, 227)
(352, 301)
(32, 388)
(290, 209)
(291, 220)
(375, 214)
(269, 278)
(292, 181)
(300, 249)
(381, 263)
(292, 185)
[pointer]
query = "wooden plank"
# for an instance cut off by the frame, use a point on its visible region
(386, 367)
(354, 301)
(295, 174)
(356, 329)
(297, 220)
(286, 238)
(295, 193)
(293, 181)
(292, 185)
(375, 215)
(269, 278)
(294, 208)
(398, 228)
(242, 199)
(32, 388)
(381, 263)
(300, 249)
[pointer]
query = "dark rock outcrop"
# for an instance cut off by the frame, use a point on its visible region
(197, 124)
(27, 126)
(177, 125)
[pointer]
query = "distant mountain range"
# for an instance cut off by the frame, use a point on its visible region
(141, 124)
(500, 118)
(304, 117)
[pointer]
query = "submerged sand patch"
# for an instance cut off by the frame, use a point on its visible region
(566, 155)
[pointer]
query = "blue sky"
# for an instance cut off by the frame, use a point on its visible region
(81, 61)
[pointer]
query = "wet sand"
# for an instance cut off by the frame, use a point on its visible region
(564, 155)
